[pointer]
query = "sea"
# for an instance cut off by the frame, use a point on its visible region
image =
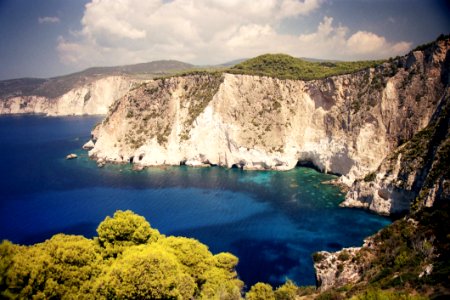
(273, 221)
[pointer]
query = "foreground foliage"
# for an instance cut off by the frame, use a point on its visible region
(131, 260)
(128, 260)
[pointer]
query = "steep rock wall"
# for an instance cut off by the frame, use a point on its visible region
(344, 124)
(90, 99)
(415, 173)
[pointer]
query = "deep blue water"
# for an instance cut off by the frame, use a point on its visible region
(273, 221)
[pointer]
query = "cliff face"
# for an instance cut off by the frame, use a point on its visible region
(91, 98)
(415, 173)
(344, 124)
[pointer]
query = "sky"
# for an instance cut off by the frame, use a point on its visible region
(46, 38)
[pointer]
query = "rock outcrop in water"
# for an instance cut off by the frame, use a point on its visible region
(347, 124)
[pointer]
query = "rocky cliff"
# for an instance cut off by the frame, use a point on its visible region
(91, 98)
(411, 254)
(414, 175)
(347, 124)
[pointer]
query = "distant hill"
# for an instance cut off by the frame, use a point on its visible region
(153, 68)
(233, 62)
(21, 86)
(57, 86)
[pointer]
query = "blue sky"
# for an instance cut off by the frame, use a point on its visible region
(44, 38)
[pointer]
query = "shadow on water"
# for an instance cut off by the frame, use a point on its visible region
(261, 256)
(86, 229)
(273, 221)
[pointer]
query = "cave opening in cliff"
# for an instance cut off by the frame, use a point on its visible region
(311, 165)
(237, 166)
(308, 164)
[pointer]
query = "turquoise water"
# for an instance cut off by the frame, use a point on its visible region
(273, 221)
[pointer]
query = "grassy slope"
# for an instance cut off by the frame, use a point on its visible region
(287, 67)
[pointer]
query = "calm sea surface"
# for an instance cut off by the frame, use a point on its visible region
(273, 221)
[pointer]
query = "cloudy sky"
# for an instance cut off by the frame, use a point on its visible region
(43, 38)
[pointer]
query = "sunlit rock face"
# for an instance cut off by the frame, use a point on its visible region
(92, 98)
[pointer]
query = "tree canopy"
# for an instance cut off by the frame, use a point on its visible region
(128, 260)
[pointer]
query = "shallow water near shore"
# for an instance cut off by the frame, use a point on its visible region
(273, 221)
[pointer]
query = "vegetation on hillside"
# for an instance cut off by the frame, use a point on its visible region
(409, 259)
(207, 71)
(441, 37)
(149, 113)
(287, 67)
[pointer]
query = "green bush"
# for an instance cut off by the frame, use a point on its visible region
(377, 294)
(260, 291)
(318, 257)
(343, 255)
(287, 291)
(123, 230)
(330, 295)
(370, 177)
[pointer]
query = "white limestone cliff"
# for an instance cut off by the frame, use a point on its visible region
(241, 126)
(92, 98)
(345, 124)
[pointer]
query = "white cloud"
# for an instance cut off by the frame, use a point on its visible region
(363, 42)
(208, 32)
(42, 20)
